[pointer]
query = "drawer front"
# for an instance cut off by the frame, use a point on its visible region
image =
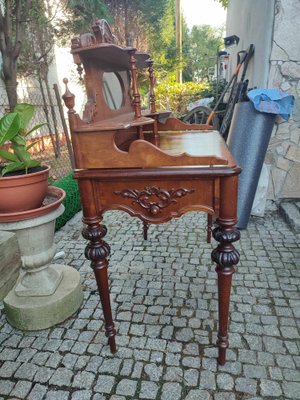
(157, 201)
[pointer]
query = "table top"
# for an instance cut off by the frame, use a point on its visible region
(196, 144)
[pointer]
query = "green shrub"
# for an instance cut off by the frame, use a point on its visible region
(176, 96)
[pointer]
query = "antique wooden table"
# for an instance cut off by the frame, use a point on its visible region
(128, 160)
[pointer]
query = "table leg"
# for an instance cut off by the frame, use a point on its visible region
(145, 230)
(209, 227)
(98, 251)
(226, 257)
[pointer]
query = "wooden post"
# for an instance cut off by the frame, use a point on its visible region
(178, 25)
(65, 128)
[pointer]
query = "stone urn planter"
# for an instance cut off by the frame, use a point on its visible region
(45, 293)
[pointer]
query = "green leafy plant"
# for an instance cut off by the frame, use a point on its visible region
(171, 95)
(13, 139)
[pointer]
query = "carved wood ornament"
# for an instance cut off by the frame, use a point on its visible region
(162, 197)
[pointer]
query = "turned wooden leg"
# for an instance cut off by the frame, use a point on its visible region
(98, 251)
(226, 257)
(145, 230)
(209, 227)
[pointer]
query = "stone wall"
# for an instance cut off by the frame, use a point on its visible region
(284, 149)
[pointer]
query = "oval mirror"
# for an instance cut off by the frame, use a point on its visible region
(112, 90)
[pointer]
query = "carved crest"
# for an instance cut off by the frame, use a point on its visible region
(103, 32)
(154, 199)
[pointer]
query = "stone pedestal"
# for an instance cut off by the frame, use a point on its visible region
(45, 294)
(10, 262)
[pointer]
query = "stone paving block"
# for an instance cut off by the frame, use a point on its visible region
(21, 389)
(137, 370)
(43, 374)
(255, 371)
(224, 396)
(191, 377)
(126, 387)
(104, 384)
(6, 386)
(61, 377)
(171, 391)
(270, 388)
(98, 396)
(153, 372)
(8, 368)
(83, 380)
(245, 385)
(82, 395)
(148, 390)
(198, 395)
(57, 395)
(110, 366)
(207, 380)
(38, 392)
(173, 374)
(193, 362)
(26, 371)
(225, 382)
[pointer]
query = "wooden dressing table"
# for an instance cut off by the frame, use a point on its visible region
(127, 159)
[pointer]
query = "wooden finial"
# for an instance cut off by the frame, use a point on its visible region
(79, 70)
(152, 84)
(68, 98)
(135, 89)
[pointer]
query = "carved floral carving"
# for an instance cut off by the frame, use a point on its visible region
(225, 254)
(97, 250)
(154, 199)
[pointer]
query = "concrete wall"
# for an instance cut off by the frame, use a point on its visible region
(273, 27)
(252, 21)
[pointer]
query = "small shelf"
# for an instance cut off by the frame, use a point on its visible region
(112, 56)
(124, 121)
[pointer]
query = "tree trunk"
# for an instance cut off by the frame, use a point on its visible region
(13, 15)
(10, 81)
(126, 24)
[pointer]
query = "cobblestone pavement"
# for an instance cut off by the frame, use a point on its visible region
(165, 300)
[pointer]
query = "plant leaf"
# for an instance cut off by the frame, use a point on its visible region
(33, 163)
(7, 155)
(14, 166)
(19, 140)
(9, 127)
(32, 144)
(35, 128)
(25, 112)
(21, 153)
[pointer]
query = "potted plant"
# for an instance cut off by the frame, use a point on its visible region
(23, 181)
(44, 293)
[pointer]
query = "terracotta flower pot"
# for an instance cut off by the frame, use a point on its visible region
(23, 192)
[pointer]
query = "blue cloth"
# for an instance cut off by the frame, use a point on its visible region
(273, 101)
